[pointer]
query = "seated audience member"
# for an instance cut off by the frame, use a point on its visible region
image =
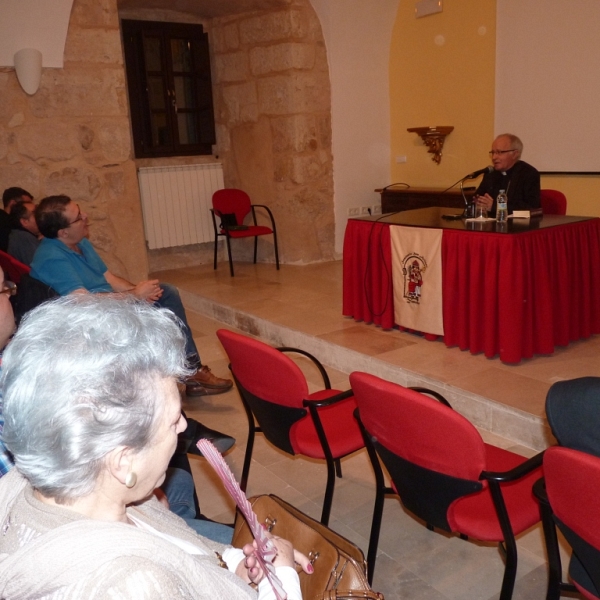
(92, 414)
(178, 489)
(25, 236)
(7, 328)
(10, 197)
(67, 262)
(518, 179)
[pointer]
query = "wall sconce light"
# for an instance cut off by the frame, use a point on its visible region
(28, 65)
(433, 138)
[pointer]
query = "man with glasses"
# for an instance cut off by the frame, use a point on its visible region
(67, 262)
(518, 179)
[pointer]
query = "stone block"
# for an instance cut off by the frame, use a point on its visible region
(79, 183)
(231, 67)
(240, 102)
(52, 140)
(27, 177)
(16, 120)
(296, 93)
(114, 139)
(232, 36)
(4, 137)
(94, 46)
(292, 24)
(297, 133)
(80, 91)
(94, 13)
(281, 57)
(223, 138)
(307, 168)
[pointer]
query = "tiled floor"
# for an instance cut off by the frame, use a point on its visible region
(413, 562)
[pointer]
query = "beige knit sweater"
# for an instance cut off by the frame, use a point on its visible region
(53, 553)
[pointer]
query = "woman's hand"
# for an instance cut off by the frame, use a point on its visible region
(250, 570)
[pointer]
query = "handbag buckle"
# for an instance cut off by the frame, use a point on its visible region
(270, 523)
(312, 556)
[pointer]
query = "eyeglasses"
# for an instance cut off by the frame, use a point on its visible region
(496, 152)
(78, 218)
(10, 288)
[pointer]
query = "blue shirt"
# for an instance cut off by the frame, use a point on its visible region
(6, 461)
(65, 270)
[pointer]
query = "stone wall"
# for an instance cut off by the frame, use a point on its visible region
(73, 136)
(273, 115)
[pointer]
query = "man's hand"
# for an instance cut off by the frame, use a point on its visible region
(486, 201)
(147, 290)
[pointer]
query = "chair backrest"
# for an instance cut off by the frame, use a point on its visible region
(573, 488)
(553, 202)
(232, 201)
(13, 268)
(270, 384)
(433, 454)
(573, 412)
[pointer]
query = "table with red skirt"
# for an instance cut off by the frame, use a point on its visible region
(509, 290)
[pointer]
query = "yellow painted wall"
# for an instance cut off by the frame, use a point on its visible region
(442, 72)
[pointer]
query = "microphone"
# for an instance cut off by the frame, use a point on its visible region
(487, 169)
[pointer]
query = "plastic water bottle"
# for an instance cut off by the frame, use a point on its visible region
(501, 206)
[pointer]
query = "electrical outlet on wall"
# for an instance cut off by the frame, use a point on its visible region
(365, 211)
(376, 209)
(354, 211)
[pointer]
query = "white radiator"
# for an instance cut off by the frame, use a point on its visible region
(176, 203)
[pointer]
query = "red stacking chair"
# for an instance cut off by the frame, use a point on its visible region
(568, 496)
(553, 202)
(274, 391)
(443, 471)
(13, 268)
(231, 206)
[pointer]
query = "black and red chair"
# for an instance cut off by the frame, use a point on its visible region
(443, 471)
(569, 492)
(568, 496)
(232, 206)
(275, 393)
(553, 202)
(13, 268)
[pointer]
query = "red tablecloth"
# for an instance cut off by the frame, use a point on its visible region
(509, 295)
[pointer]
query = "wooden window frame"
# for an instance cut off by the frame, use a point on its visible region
(200, 123)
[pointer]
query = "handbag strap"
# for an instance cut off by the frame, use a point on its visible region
(351, 595)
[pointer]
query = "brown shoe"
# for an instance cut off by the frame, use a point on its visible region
(205, 378)
(195, 388)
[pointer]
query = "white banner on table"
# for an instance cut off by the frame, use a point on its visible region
(417, 278)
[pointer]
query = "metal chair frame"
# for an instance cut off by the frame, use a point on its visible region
(226, 233)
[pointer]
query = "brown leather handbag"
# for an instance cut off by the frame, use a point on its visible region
(339, 565)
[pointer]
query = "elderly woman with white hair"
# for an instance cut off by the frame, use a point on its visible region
(92, 413)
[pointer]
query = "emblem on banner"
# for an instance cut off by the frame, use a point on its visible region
(413, 268)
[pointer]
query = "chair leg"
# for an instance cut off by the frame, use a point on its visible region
(215, 261)
(247, 459)
(375, 527)
(229, 254)
(338, 468)
(255, 247)
(328, 500)
(276, 249)
(554, 562)
(510, 570)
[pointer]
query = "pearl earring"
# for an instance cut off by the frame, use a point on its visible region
(131, 479)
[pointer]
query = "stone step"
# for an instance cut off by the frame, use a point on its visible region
(519, 426)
